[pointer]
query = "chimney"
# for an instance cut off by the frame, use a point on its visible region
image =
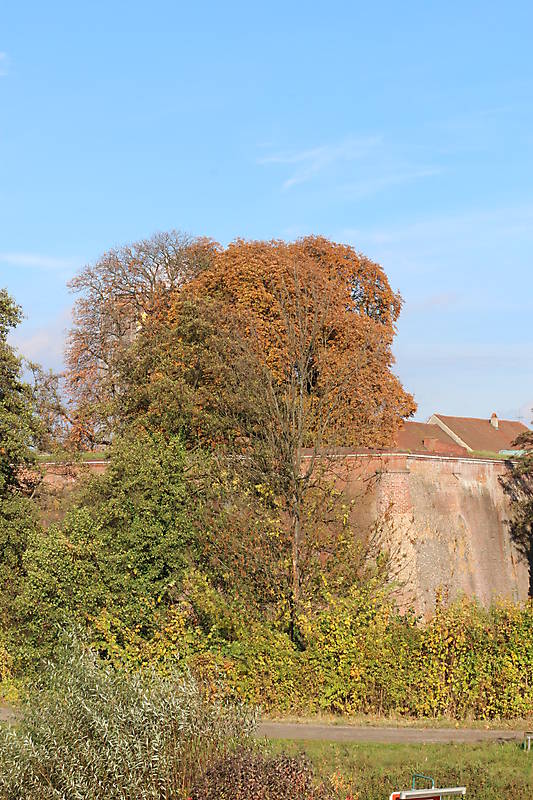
(494, 421)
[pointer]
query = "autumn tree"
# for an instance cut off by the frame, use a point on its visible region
(321, 320)
(115, 295)
(274, 354)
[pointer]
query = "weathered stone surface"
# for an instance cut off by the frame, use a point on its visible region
(449, 519)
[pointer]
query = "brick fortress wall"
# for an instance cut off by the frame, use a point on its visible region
(446, 518)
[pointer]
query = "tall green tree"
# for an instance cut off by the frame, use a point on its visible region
(18, 425)
(117, 560)
(18, 430)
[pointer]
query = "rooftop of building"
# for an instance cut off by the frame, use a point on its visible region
(481, 435)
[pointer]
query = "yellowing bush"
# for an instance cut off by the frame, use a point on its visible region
(359, 655)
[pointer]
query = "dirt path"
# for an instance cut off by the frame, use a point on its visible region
(366, 733)
(352, 733)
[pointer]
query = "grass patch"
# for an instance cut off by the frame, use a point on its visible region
(489, 454)
(372, 771)
(398, 721)
(65, 457)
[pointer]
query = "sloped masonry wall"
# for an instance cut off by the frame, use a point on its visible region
(448, 519)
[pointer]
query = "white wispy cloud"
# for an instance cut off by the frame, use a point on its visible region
(309, 163)
(395, 177)
(36, 261)
(3, 63)
(351, 169)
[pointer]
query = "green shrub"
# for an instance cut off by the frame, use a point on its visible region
(476, 662)
(122, 551)
(362, 652)
(88, 731)
(360, 655)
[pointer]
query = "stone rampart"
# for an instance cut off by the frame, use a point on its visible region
(447, 517)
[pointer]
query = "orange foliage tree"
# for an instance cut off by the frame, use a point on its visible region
(320, 319)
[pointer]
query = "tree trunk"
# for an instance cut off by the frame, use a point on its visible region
(296, 541)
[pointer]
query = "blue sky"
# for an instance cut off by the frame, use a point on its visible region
(403, 128)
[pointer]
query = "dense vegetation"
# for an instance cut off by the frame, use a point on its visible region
(19, 430)
(90, 732)
(219, 381)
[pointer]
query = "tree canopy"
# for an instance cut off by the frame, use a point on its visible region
(115, 295)
(18, 424)
(321, 316)
(309, 306)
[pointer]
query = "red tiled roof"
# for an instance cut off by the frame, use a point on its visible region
(479, 434)
(419, 436)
